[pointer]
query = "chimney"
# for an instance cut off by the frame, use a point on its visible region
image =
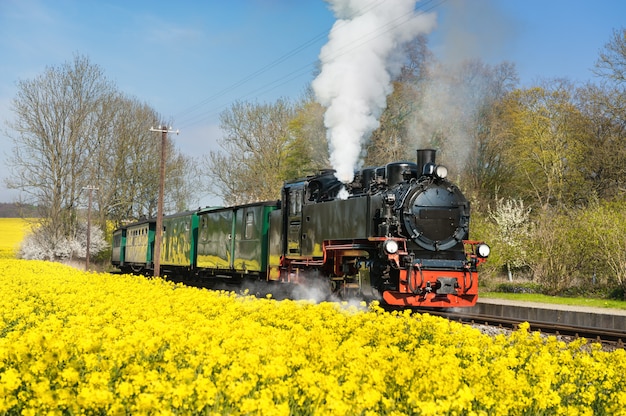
(424, 157)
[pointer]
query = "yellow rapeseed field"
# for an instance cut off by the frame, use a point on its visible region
(12, 231)
(73, 342)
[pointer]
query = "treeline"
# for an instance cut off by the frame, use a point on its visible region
(543, 165)
(17, 210)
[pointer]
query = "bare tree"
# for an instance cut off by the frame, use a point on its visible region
(53, 132)
(74, 130)
(126, 166)
(128, 160)
(251, 165)
(604, 108)
(484, 169)
(611, 63)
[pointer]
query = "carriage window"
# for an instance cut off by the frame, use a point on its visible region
(249, 232)
(295, 202)
(204, 232)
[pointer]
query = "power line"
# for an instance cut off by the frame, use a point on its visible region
(190, 120)
(320, 36)
(253, 75)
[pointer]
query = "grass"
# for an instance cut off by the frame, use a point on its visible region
(577, 301)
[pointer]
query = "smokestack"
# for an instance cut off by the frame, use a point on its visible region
(425, 156)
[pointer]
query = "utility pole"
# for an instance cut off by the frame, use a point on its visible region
(159, 220)
(89, 188)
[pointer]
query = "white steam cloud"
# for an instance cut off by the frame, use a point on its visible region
(362, 56)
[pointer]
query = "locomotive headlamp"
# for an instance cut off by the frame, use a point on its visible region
(483, 250)
(441, 172)
(390, 246)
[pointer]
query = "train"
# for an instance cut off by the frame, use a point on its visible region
(398, 233)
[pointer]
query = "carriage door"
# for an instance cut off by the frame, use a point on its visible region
(294, 233)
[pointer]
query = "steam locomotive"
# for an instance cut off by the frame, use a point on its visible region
(398, 233)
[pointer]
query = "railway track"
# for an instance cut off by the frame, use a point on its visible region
(608, 337)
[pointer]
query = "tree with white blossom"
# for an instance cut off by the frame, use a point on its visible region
(513, 227)
(40, 245)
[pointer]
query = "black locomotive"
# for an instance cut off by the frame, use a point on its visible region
(397, 233)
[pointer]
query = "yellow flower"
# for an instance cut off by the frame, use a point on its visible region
(10, 380)
(97, 343)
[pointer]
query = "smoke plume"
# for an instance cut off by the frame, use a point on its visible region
(362, 56)
(460, 82)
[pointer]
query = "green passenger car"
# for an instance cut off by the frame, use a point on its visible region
(178, 248)
(139, 251)
(234, 240)
(118, 249)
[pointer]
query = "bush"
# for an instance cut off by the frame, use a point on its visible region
(604, 237)
(618, 293)
(43, 244)
(567, 251)
(518, 287)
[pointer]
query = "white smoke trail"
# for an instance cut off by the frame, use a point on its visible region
(362, 56)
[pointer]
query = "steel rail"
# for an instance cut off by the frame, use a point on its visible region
(611, 337)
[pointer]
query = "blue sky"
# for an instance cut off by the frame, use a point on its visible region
(190, 60)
